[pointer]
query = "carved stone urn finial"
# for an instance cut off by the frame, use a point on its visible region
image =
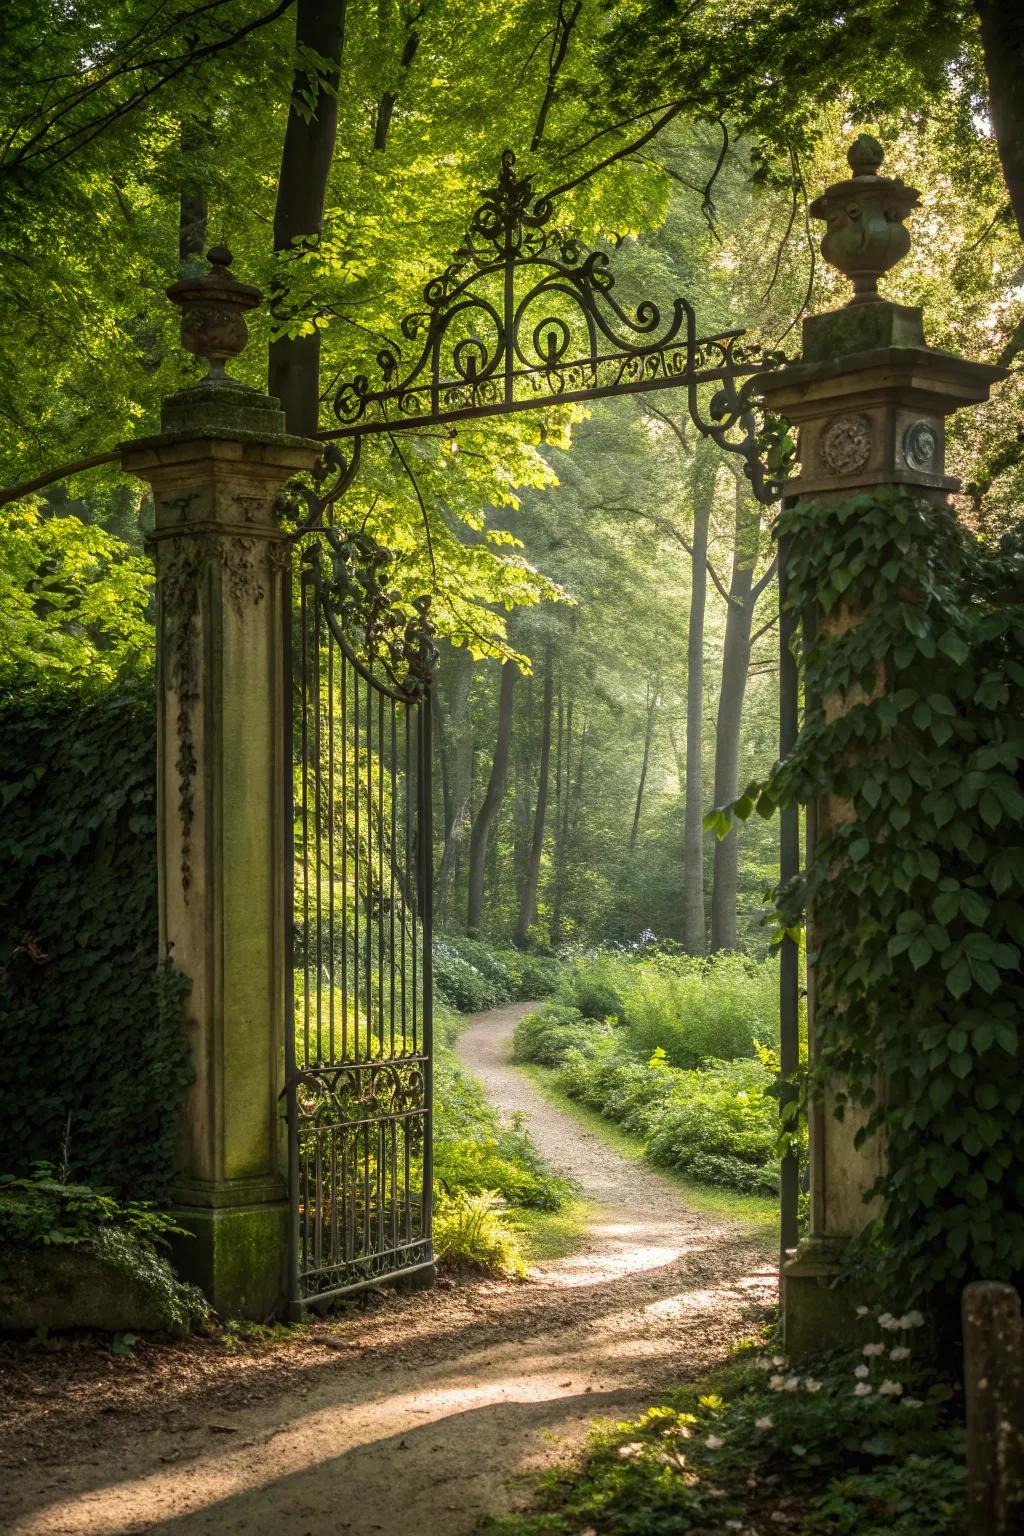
(866, 234)
(213, 308)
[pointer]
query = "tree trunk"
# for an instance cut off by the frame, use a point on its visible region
(493, 796)
(735, 666)
(652, 705)
(562, 829)
(524, 804)
(528, 905)
(455, 750)
(1002, 41)
(694, 923)
(294, 365)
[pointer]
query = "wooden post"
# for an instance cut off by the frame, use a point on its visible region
(994, 1392)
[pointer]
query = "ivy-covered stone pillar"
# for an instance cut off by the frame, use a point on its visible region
(869, 400)
(221, 569)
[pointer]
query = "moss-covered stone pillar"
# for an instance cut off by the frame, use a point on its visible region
(869, 400)
(221, 568)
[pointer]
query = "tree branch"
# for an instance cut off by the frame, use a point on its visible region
(564, 25)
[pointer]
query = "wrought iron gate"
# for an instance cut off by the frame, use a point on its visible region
(358, 1039)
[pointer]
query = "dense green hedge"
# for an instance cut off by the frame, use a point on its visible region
(94, 1053)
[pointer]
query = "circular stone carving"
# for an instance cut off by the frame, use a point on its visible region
(846, 444)
(920, 445)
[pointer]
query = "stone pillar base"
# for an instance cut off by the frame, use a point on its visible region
(819, 1311)
(236, 1255)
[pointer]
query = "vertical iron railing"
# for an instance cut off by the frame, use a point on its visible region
(358, 1030)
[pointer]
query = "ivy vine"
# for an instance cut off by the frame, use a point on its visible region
(91, 1030)
(917, 885)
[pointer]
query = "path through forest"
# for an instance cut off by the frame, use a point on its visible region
(420, 1413)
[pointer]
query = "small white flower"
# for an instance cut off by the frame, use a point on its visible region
(912, 1402)
(862, 1389)
(871, 1350)
(862, 1371)
(901, 1352)
(763, 1363)
(775, 1382)
(887, 1321)
(791, 1384)
(891, 1389)
(765, 1423)
(778, 1360)
(912, 1320)
(862, 1311)
(714, 1442)
(734, 1525)
(811, 1385)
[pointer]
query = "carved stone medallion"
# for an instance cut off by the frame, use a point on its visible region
(846, 444)
(920, 446)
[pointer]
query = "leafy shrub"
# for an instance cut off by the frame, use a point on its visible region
(469, 1233)
(41, 1211)
(91, 1035)
(717, 1124)
(701, 1009)
(498, 975)
(595, 985)
(460, 983)
(546, 1037)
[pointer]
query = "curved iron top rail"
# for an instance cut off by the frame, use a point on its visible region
(498, 329)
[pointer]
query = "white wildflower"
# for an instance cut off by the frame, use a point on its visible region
(912, 1320)
(901, 1352)
(912, 1402)
(862, 1389)
(765, 1423)
(775, 1382)
(763, 1363)
(888, 1322)
(862, 1371)
(810, 1385)
(862, 1311)
(744, 1098)
(714, 1442)
(891, 1389)
(778, 1360)
(791, 1384)
(871, 1350)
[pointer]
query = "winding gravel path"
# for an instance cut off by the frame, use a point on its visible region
(423, 1412)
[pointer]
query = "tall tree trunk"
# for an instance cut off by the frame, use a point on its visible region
(562, 831)
(1002, 41)
(694, 922)
(493, 796)
(294, 365)
(528, 905)
(735, 666)
(524, 800)
(455, 751)
(653, 691)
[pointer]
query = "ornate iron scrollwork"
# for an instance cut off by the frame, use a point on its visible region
(526, 316)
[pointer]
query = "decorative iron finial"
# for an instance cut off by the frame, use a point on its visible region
(866, 234)
(213, 308)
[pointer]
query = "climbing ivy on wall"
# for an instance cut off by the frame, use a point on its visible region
(91, 1032)
(918, 884)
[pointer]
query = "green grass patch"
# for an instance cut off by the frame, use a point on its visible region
(549, 1235)
(758, 1212)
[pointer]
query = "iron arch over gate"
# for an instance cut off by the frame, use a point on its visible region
(524, 317)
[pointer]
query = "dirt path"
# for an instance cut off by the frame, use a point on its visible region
(419, 1414)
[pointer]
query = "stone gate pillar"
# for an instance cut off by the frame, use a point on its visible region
(223, 789)
(869, 399)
